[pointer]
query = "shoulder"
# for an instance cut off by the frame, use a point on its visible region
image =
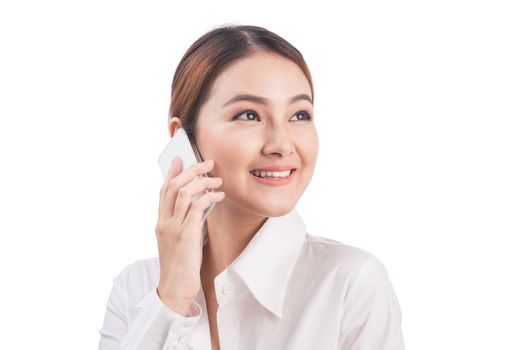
(142, 267)
(337, 254)
(139, 277)
(361, 276)
(346, 265)
(359, 288)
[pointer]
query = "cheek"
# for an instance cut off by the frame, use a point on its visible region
(231, 155)
(237, 151)
(309, 148)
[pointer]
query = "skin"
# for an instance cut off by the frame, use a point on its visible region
(278, 133)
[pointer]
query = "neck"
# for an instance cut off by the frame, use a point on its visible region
(230, 229)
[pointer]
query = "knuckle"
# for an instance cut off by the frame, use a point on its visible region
(173, 183)
(160, 228)
(198, 167)
(166, 229)
(183, 192)
(202, 167)
(182, 237)
(205, 184)
(212, 182)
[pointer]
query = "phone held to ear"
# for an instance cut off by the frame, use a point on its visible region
(181, 146)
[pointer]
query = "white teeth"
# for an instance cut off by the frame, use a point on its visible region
(271, 174)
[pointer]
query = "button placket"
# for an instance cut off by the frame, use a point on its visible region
(226, 289)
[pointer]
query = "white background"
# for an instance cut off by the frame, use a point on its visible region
(419, 109)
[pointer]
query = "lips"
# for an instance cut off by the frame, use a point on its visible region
(276, 167)
(275, 181)
(291, 172)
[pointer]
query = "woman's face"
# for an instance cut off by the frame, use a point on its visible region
(242, 135)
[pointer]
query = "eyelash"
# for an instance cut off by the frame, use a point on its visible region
(248, 111)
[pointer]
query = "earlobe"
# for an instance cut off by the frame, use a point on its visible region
(173, 124)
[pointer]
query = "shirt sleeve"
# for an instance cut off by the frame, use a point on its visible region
(154, 325)
(371, 313)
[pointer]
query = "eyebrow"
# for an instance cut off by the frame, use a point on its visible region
(265, 101)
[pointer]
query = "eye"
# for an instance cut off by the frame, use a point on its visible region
(247, 112)
(305, 114)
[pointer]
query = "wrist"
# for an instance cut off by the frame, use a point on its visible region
(179, 305)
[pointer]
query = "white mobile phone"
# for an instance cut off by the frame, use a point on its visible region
(181, 146)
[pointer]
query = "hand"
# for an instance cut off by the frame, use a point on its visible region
(179, 232)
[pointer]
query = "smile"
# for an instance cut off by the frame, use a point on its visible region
(281, 178)
(260, 173)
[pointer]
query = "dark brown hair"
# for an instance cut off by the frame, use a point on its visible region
(210, 55)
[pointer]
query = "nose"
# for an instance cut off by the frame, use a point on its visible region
(278, 141)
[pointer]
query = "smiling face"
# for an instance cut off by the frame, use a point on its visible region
(273, 128)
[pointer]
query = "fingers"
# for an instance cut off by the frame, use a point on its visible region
(176, 179)
(185, 195)
(194, 217)
(174, 170)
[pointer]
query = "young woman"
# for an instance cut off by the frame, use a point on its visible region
(249, 276)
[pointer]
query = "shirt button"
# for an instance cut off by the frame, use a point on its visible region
(226, 290)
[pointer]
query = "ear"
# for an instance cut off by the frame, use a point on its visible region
(173, 124)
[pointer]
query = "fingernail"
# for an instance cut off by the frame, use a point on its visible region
(173, 162)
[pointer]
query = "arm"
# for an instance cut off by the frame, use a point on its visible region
(150, 324)
(372, 316)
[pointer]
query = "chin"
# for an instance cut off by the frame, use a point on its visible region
(271, 209)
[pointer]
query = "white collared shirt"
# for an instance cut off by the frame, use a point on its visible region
(287, 290)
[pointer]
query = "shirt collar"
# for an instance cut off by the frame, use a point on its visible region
(267, 262)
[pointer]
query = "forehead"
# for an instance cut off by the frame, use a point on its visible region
(264, 74)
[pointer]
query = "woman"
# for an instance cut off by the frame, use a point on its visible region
(244, 95)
